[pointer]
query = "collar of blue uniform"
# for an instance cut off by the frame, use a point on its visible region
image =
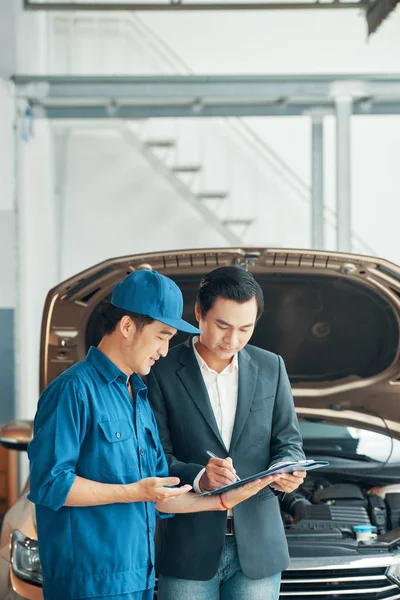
(110, 371)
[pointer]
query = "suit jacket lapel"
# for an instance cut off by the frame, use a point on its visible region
(190, 375)
(248, 373)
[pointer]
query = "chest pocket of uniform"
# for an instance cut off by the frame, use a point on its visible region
(117, 453)
(151, 449)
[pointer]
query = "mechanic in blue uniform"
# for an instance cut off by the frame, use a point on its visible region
(99, 476)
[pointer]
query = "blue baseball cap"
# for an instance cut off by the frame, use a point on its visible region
(153, 295)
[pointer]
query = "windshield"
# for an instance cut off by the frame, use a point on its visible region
(322, 438)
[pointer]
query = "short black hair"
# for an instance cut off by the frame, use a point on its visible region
(111, 316)
(231, 283)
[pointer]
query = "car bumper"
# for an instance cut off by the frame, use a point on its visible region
(318, 578)
(12, 588)
(342, 577)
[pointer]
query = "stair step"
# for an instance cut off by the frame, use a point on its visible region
(212, 195)
(238, 222)
(159, 143)
(186, 168)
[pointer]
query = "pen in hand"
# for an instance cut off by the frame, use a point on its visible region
(212, 455)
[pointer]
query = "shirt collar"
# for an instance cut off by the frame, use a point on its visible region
(110, 371)
(203, 365)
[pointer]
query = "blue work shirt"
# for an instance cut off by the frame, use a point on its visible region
(87, 425)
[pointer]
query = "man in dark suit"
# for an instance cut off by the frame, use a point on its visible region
(216, 393)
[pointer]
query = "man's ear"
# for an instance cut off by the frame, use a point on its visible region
(126, 326)
(197, 312)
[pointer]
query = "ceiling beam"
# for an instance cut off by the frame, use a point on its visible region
(180, 5)
(83, 97)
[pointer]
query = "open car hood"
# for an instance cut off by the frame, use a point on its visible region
(333, 317)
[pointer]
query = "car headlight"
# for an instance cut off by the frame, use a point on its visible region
(25, 561)
(393, 573)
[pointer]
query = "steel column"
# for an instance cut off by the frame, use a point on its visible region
(317, 183)
(343, 172)
(60, 142)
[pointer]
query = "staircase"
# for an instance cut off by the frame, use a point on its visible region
(176, 174)
(216, 201)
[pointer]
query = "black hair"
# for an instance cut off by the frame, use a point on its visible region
(111, 316)
(231, 283)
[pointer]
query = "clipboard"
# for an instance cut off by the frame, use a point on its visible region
(288, 467)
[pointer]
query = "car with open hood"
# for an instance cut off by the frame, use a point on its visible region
(335, 319)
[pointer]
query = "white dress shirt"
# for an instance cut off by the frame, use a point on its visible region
(222, 390)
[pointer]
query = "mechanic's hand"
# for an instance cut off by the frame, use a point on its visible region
(237, 495)
(219, 472)
(289, 481)
(155, 489)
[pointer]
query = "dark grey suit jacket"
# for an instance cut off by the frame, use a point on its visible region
(265, 431)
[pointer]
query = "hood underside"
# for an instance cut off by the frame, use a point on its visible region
(333, 317)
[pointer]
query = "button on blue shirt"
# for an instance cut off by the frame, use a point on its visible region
(87, 425)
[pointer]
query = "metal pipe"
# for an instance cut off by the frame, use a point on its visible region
(317, 183)
(343, 172)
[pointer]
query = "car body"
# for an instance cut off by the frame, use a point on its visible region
(335, 319)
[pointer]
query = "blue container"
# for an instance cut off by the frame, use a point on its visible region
(364, 528)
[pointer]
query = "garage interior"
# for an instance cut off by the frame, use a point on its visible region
(138, 127)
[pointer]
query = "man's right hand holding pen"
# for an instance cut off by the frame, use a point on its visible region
(220, 472)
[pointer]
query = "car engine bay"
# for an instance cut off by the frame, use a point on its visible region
(319, 518)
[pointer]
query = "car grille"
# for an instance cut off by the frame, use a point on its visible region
(338, 584)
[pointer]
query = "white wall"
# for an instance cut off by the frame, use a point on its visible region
(32, 37)
(308, 41)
